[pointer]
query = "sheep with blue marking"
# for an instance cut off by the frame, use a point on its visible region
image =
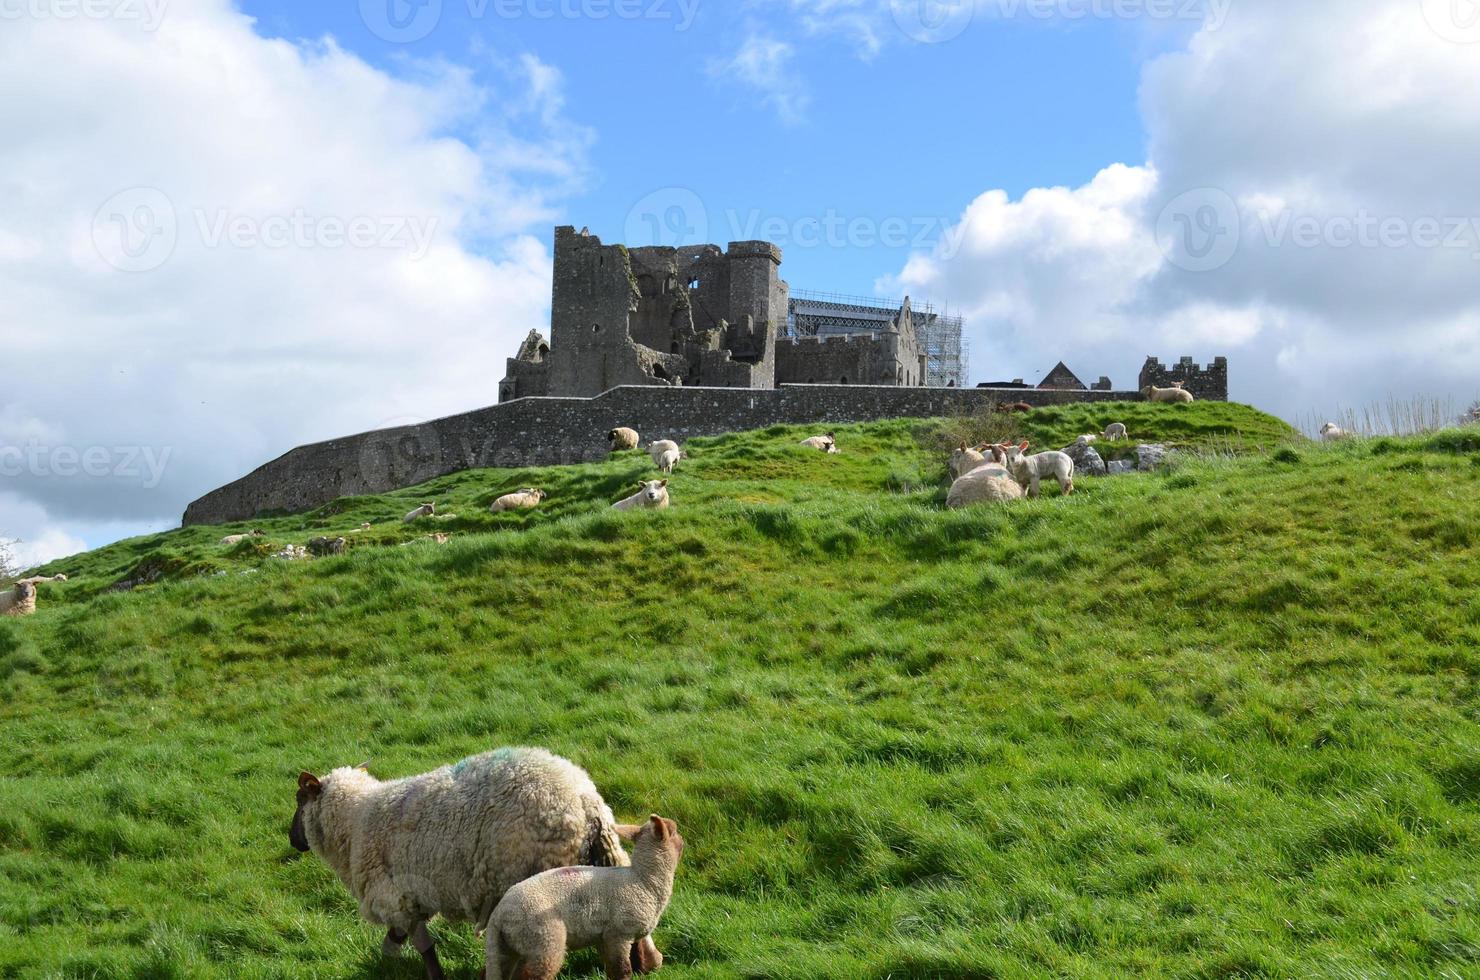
(452, 841)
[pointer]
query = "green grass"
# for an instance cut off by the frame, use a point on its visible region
(1216, 722)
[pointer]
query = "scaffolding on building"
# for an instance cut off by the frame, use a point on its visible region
(941, 334)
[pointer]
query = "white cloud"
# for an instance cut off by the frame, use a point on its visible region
(1331, 150)
(323, 317)
(764, 65)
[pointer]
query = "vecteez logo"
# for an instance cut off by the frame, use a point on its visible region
(401, 21)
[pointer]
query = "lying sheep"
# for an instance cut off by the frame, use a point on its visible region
(1087, 440)
(425, 510)
(653, 494)
(526, 499)
(323, 547)
(239, 538)
(624, 438)
(451, 842)
(825, 443)
(965, 459)
(1013, 408)
(1115, 432)
(989, 483)
(19, 601)
(38, 579)
(1174, 395)
(540, 919)
(1028, 470)
(1331, 432)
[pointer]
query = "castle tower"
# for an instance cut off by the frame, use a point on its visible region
(758, 293)
(593, 295)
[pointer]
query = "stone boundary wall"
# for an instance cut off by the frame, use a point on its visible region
(553, 431)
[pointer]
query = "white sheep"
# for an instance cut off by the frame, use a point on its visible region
(668, 460)
(1087, 440)
(38, 579)
(425, 510)
(1331, 432)
(1028, 470)
(964, 459)
(1116, 431)
(526, 499)
(541, 918)
(451, 842)
(19, 601)
(825, 443)
(653, 494)
(239, 538)
(1176, 395)
(623, 438)
(662, 447)
(989, 483)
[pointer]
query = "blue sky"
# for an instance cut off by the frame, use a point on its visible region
(911, 131)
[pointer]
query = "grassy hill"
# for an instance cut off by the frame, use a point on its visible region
(1218, 721)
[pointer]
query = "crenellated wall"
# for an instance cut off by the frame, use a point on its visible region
(552, 431)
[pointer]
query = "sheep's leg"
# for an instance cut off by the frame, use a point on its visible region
(1033, 486)
(616, 955)
(427, 947)
(394, 940)
(645, 956)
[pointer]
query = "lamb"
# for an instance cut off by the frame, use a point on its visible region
(825, 443)
(19, 601)
(668, 459)
(425, 510)
(1331, 432)
(38, 579)
(526, 499)
(1028, 470)
(661, 448)
(1087, 440)
(452, 841)
(652, 495)
(989, 483)
(540, 919)
(1116, 431)
(623, 438)
(964, 460)
(1175, 395)
(239, 538)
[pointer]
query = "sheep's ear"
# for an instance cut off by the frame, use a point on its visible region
(662, 483)
(628, 831)
(660, 829)
(1024, 446)
(962, 447)
(308, 781)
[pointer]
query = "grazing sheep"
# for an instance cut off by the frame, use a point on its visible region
(323, 547)
(825, 443)
(989, 483)
(526, 499)
(668, 460)
(425, 510)
(1174, 395)
(653, 494)
(624, 438)
(660, 447)
(542, 918)
(451, 842)
(965, 459)
(239, 538)
(1028, 470)
(1115, 432)
(1331, 432)
(19, 601)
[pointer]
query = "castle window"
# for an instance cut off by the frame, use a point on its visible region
(596, 328)
(843, 380)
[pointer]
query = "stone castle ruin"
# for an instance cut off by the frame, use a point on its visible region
(676, 343)
(691, 316)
